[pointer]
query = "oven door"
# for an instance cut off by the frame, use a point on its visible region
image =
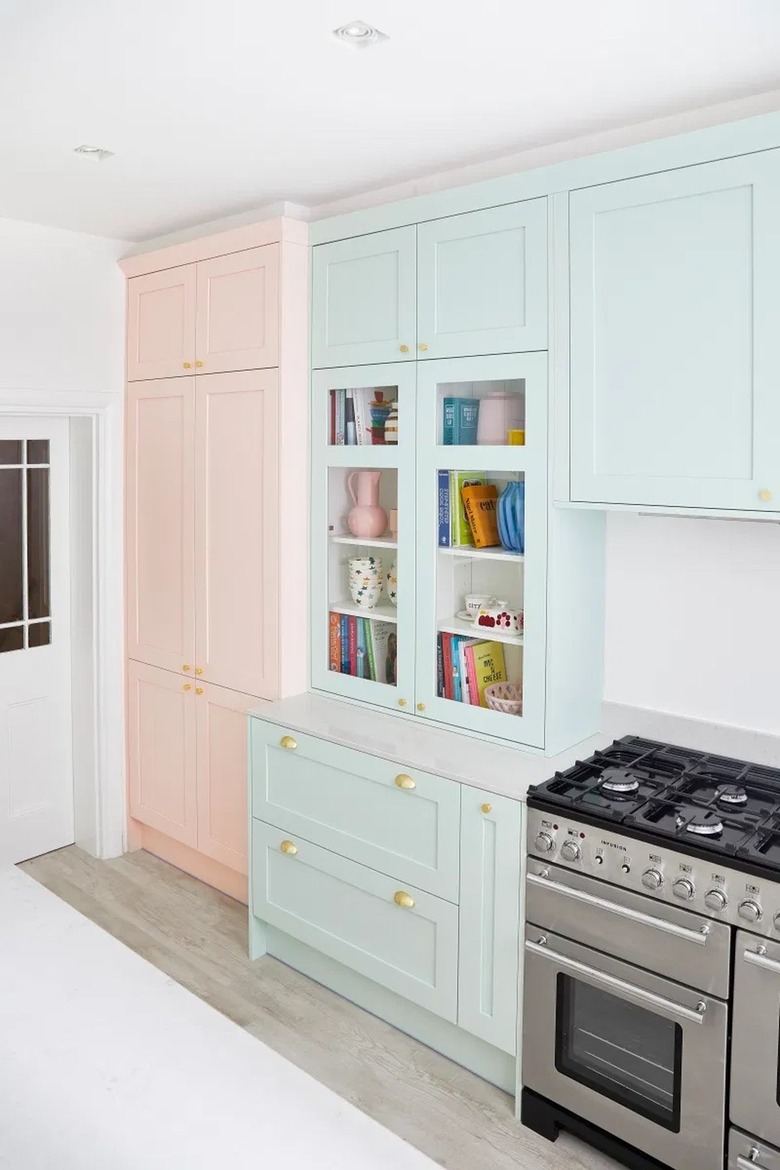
(634, 1054)
(755, 1042)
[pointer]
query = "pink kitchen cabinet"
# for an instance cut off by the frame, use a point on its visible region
(221, 774)
(161, 324)
(237, 316)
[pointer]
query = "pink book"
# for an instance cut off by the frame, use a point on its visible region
(471, 674)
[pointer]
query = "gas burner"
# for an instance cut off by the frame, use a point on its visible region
(700, 822)
(732, 796)
(618, 782)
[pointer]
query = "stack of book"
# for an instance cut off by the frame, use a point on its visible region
(358, 416)
(466, 666)
(363, 647)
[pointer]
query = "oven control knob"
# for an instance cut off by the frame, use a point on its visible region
(715, 900)
(749, 910)
(652, 879)
(683, 888)
(544, 843)
(570, 850)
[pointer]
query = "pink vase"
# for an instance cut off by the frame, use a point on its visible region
(367, 518)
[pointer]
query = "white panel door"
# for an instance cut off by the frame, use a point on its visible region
(36, 771)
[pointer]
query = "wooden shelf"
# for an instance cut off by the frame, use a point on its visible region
(480, 554)
(455, 625)
(384, 612)
(377, 542)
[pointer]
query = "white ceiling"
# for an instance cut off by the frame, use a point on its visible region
(216, 106)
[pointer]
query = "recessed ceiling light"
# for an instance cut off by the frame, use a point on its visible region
(358, 33)
(97, 152)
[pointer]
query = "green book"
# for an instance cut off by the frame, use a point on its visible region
(460, 529)
(370, 649)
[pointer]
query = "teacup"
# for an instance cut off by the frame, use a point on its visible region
(500, 617)
(474, 602)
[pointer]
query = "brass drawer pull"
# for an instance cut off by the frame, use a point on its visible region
(403, 781)
(401, 898)
(288, 847)
(288, 742)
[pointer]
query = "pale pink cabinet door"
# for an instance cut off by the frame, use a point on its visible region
(160, 522)
(161, 324)
(222, 775)
(237, 507)
(238, 311)
(161, 751)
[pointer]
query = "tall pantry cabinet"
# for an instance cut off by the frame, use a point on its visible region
(216, 499)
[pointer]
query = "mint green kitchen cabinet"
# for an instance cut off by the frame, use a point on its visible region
(363, 293)
(489, 914)
(482, 282)
(675, 303)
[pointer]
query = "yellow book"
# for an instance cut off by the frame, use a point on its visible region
(489, 666)
(479, 500)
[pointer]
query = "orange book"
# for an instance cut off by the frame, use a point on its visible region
(335, 641)
(479, 500)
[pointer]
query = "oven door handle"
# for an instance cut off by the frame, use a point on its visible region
(759, 960)
(638, 994)
(747, 1163)
(682, 932)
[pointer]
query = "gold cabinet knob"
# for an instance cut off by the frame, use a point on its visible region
(423, 346)
(765, 495)
(401, 898)
(186, 365)
(404, 348)
(404, 781)
(486, 808)
(199, 670)
(198, 364)
(402, 702)
(288, 847)
(186, 667)
(198, 690)
(421, 706)
(288, 742)
(187, 687)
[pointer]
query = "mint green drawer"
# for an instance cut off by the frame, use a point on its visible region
(349, 802)
(350, 913)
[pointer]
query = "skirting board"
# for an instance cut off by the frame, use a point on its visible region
(499, 1068)
(194, 863)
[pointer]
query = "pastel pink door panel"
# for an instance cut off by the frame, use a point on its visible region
(238, 311)
(161, 751)
(222, 775)
(161, 324)
(237, 506)
(161, 522)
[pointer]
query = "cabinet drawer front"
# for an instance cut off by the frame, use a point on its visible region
(350, 802)
(350, 913)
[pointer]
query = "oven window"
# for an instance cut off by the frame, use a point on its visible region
(626, 1052)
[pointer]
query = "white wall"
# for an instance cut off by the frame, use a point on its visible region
(693, 618)
(61, 310)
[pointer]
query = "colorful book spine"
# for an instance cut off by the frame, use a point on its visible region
(448, 422)
(349, 416)
(440, 666)
(461, 529)
(344, 644)
(332, 432)
(457, 679)
(370, 649)
(335, 642)
(471, 674)
(449, 691)
(341, 397)
(362, 659)
(444, 509)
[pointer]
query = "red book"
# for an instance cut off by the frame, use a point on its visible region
(353, 644)
(446, 649)
(471, 676)
(335, 642)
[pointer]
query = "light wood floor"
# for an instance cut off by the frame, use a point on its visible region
(198, 937)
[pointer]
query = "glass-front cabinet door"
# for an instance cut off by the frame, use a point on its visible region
(363, 583)
(481, 543)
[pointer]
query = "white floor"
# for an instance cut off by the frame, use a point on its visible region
(107, 1064)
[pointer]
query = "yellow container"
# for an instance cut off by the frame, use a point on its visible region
(515, 438)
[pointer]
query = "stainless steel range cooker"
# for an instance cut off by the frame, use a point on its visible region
(651, 989)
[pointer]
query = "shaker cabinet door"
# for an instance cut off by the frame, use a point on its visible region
(221, 728)
(238, 311)
(482, 282)
(364, 300)
(161, 324)
(237, 510)
(674, 308)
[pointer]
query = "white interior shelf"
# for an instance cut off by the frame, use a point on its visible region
(384, 612)
(377, 542)
(480, 554)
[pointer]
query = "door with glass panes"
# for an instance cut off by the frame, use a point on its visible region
(36, 781)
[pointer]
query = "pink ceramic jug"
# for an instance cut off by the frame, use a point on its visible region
(367, 518)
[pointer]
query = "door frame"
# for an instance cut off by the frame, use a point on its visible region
(97, 568)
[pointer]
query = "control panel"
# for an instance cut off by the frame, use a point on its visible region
(709, 887)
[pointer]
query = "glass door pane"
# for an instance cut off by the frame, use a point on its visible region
(25, 571)
(11, 545)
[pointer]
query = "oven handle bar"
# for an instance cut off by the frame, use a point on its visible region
(619, 985)
(746, 1163)
(759, 960)
(683, 932)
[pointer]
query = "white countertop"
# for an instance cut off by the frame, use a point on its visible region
(107, 1064)
(505, 770)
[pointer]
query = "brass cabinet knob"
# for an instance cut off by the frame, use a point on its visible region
(421, 706)
(402, 702)
(401, 898)
(187, 687)
(288, 742)
(486, 808)
(403, 781)
(198, 690)
(186, 365)
(404, 348)
(199, 670)
(288, 847)
(186, 667)
(198, 364)
(423, 346)
(765, 495)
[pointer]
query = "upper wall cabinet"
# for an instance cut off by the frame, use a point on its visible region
(364, 300)
(211, 317)
(674, 351)
(482, 282)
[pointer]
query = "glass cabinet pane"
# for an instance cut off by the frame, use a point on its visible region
(481, 413)
(364, 416)
(11, 546)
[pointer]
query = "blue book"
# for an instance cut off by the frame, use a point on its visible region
(466, 419)
(444, 509)
(361, 648)
(344, 644)
(448, 422)
(457, 682)
(439, 667)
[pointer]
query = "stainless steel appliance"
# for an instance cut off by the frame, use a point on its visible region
(643, 862)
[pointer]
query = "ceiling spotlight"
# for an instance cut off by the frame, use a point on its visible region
(358, 33)
(97, 152)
